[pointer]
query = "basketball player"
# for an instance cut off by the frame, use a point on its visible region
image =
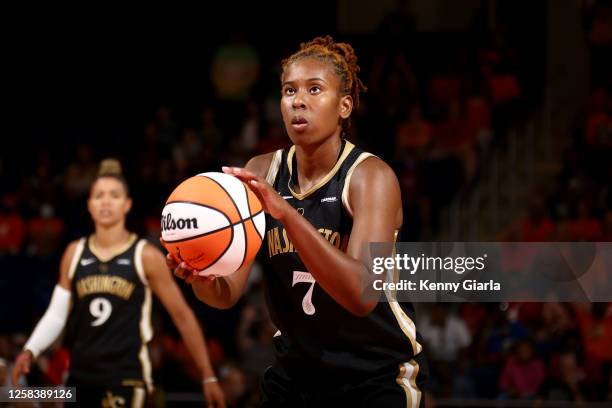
(324, 198)
(104, 296)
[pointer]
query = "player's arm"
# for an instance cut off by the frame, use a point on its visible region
(165, 288)
(53, 321)
(341, 275)
(222, 292)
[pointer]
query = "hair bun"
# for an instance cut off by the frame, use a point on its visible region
(109, 167)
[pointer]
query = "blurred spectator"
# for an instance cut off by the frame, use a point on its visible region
(210, 134)
(79, 174)
(398, 27)
(3, 372)
(523, 373)
(274, 138)
(12, 226)
(56, 371)
(447, 338)
(413, 133)
(393, 88)
(598, 126)
(45, 233)
(187, 154)
(443, 91)
(585, 227)
(445, 334)
(595, 324)
(478, 117)
(40, 188)
(168, 128)
(234, 384)
(536, 226)
(250, 131)
(567, 376)
(608, 226)
(454, 136)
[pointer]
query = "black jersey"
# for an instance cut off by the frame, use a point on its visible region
(110, 322)
(314, 330)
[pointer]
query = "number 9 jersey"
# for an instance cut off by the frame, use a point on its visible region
(110, 322)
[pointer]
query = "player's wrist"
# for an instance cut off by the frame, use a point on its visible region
(286, 212)
(210, 379)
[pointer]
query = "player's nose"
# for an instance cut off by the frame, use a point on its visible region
(298, 100)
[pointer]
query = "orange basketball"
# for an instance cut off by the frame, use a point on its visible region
(214, 223)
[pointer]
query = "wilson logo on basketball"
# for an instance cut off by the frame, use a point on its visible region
(168, 223)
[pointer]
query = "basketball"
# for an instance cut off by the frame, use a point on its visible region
(214, 223)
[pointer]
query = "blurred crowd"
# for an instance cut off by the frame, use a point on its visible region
(434, 116)
(543, 351)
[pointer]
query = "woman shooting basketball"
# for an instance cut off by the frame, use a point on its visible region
(104, 294)
(334, 347)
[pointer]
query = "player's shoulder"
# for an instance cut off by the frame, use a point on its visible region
(150, 252)
(372, 169)
(260, 164)
(68, 258)
(72, 247)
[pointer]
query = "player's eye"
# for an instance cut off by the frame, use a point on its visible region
(315, 90)
(289, 91)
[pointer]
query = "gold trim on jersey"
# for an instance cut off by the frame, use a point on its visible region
(129, 382)
(347, 181)
(145, 335)
(348, 146)
(138, 398)
(76, 258)
(96, 251)
(274, 166)
(138, 261)
(406, 379)
(404, 321)
(146, 329)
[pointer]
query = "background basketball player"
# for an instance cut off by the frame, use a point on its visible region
(104, 295)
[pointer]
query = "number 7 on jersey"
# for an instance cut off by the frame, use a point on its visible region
(305, 277)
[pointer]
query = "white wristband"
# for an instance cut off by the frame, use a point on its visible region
(211, 379)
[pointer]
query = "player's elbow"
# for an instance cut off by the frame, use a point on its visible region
(362, 308)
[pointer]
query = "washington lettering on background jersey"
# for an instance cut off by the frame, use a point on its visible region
(110, 322)
(314, 330)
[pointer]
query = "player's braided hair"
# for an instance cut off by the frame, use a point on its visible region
(343, 60)
(112, 168)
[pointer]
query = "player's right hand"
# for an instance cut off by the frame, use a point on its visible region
(183, 271)
(22, 366)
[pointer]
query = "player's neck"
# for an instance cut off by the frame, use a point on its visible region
(316, 161)
(108, 237)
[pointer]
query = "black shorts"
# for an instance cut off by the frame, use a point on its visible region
(401, 388)
(99, 396)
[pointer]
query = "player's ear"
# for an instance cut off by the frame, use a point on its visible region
(346, 106)
(128, 205)
(89, 209)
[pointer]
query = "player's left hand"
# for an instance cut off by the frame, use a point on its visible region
(271, 201)
(213, 395)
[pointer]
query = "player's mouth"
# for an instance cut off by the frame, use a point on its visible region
(106, 213)
(299, 123)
